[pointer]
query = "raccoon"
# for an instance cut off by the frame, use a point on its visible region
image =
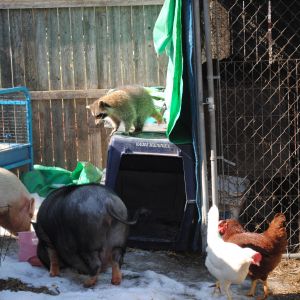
(130, 104)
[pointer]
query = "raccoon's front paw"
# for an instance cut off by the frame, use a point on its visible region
(126, 133)
(135, 133)
(112, 132)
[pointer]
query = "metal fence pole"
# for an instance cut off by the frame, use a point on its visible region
(211, 103)
(200, 124)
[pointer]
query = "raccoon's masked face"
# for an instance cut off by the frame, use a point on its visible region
(98, 111)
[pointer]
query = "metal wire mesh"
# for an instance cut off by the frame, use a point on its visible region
(258, 110)
(13, 127)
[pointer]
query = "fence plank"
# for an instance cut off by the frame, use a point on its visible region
(82, 130)
(150, 13)
(89, 29)
(46, 133)
(28, 24)
(138, 45)
(66, 48)
(70, 134)
(162, 69)
(103, 55)
(10, 4)
(5, 62)
(67, 83)
(78, 49)
(17, 47)
(36, 133)
(113, 25)
(54, 49)
(162, 62)
(105, 138)
(58, 132)
(94, 139)
(126, 46)
(41, 17)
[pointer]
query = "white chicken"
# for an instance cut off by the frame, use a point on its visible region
(227, 262)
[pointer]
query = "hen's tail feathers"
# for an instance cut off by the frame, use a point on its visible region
(213, 222)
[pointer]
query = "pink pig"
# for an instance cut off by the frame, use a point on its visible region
(16, 204)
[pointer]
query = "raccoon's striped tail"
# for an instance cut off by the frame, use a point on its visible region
(157, 116)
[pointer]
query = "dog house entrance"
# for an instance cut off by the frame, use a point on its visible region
(154, 182)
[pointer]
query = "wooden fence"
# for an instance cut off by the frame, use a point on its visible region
(68, 53)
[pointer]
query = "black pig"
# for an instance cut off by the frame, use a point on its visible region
(84, 227)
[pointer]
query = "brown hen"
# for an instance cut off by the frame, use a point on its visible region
(271, 244)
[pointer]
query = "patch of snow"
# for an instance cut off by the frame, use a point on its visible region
(146, 276)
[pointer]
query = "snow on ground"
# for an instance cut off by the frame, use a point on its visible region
(146, 276)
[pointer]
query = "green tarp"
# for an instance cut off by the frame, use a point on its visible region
(43, 179)
(167, 36)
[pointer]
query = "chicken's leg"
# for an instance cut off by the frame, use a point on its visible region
(227, 290)
(266, 291)
(217, 287)
(252, 289)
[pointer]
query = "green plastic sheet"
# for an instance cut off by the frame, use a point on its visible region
(44, 179)
(167, 37)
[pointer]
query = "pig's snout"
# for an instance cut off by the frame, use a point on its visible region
(94, 272)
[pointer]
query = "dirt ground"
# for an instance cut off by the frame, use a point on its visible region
(284, 281)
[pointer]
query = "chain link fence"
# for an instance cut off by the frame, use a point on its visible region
(256, 47)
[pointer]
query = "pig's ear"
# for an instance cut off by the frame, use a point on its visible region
(103, 104)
